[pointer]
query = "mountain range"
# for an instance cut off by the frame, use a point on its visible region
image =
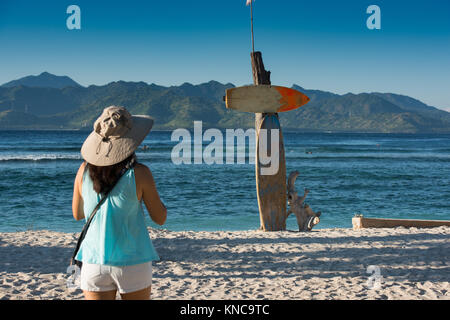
(44, 80)
(47, 101)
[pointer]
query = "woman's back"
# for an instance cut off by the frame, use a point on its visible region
(118, 235)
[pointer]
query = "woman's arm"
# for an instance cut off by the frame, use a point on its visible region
(146, 190)
(77, 200)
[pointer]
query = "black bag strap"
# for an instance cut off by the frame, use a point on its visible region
(129, 165)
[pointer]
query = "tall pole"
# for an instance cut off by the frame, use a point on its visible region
(251, 17)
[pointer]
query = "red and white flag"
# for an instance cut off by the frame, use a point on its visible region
(248, 2)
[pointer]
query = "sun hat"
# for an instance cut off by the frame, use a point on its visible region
(116, 135)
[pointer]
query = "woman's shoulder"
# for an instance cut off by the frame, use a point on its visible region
(79, 176)
(143, 178)
(81, 169)
(141, 171)
(140, 168)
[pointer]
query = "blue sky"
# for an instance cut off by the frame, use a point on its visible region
(315, 44)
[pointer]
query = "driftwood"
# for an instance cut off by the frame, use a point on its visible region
(306, 217)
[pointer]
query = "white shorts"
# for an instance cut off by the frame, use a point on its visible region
(126, 279)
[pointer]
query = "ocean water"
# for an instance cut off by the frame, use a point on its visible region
(378, 175)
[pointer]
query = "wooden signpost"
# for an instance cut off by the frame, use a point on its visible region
(265, 101)
(270, 190)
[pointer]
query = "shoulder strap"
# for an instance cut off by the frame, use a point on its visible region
(130, 165)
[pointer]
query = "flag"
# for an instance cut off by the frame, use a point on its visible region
(248, 2)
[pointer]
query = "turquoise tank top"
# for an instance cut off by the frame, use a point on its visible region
(117, 235)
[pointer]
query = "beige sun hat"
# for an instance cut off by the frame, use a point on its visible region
(116, 135)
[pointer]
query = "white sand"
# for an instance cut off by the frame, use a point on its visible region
(323, 264)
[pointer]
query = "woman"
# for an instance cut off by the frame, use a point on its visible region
(117, 252)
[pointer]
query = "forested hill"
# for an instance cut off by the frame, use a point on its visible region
(67, 105)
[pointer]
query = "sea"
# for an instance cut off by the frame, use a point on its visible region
(403, 176)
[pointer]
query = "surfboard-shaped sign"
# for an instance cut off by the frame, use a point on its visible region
(264, 99)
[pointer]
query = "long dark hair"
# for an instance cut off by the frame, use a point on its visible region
(105, 177)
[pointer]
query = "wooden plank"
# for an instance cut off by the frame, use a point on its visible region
(362, 222)
(264, 99)
(271, 188)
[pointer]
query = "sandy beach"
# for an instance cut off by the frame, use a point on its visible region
(323, 264)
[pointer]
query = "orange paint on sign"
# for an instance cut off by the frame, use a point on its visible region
(291, 99)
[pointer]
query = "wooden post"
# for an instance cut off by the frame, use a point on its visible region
(260, 76)
(271, 190)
